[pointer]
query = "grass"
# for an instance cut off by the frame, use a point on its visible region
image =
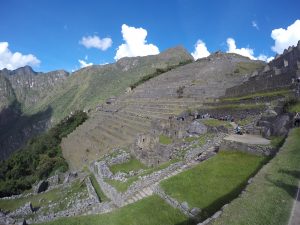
(131, 165)
(123, 186)
(238, 106)
(294, 108)
(282, 92)
(277, 141)
(269, 198)
(243, 68)
(216, 123)
(43, 199)
(214, 182)
(165, 140)
(97, 188)
(200, 139)
(149, 211)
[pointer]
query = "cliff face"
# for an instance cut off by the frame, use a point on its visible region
(21, 89)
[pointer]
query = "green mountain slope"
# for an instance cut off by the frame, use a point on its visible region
(91, 86)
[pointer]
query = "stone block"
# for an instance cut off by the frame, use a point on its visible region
(197, 128)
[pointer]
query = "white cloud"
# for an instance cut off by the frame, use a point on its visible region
(254, 24)
(286, 37)
(200, 50)
(15, 60)
(84, 63)
(96, 42)
(248, 52)
(135, 43)
(265, 58)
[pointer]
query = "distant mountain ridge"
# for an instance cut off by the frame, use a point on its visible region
(32, 101)
(21, 89)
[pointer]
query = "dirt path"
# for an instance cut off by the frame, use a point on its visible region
(248, 139)
(295, 214)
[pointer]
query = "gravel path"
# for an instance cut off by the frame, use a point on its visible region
(248, 139)
(295, 214)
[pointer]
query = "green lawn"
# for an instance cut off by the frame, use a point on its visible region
(282, 92)
(214, 182)
(97, 188)
(131, 165)
(149, 211)
(269, 198)
(123, 186)
(165, 140)
(43, 199)
(295, 108)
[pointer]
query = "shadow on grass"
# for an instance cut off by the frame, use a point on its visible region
(189, 221)
(293, 173)
(288, 188)
(220, 202)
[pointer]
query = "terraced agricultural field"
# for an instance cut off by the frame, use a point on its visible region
(117, 124)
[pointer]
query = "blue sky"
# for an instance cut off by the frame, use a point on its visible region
(53, 31)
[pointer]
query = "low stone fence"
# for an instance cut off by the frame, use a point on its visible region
(149, 180)
(265, 150)
(91, 190)
(183, 207)
(108, 190)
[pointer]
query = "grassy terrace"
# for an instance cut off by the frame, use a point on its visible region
(123, 186)
(131, 165)
(141, 213)
(43, 199)
(97, 188)
(214, 182)
(295, 108)
(216, 123)
(282, 92)
(165, 140)
(269, 198)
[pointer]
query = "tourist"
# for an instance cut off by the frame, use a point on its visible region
(297, 120)
(238, 130)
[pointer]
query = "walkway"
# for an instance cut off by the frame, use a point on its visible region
(295, 214)
(248, 139)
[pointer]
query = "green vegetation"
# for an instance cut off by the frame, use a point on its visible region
(282, 92)
(131, 165)
(91, 86)
(295, 107)
(269, 198)
(40, 158)
(149, 211)
(97, 188)
(214, 182)
(165, 140)
(158, 72)
(123, 186)
(216, 123)
(199, 139)
(277, 141)
(239, 106)
(43, 199)
(243, 68)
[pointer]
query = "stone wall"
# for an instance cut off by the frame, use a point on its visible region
(183, 207)
(262, 83)
(91, 190)
(279, 73)
(265, 150)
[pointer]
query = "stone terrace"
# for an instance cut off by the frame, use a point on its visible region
(117, 124)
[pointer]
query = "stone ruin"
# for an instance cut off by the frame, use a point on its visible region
(281, 72)
(147, 147)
